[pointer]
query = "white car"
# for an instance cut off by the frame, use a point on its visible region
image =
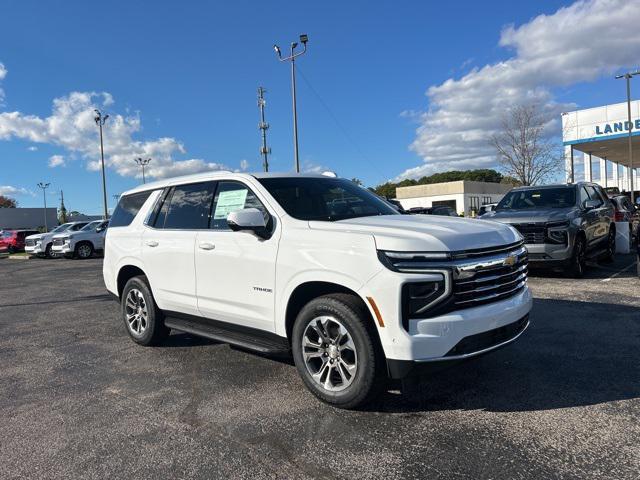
(40, 244)
(318, 267)
(82, 243)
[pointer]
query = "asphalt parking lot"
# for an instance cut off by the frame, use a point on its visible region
(78, 399)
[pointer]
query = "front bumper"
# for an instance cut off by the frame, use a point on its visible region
(549, 255)
(467, 348)
(63, 249)
(430, 339)
(35, 250)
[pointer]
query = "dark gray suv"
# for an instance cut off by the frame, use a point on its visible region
(563, 225)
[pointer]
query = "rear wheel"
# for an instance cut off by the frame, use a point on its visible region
(335, 353)
(142, 317)
(578, 260)
(610, 251)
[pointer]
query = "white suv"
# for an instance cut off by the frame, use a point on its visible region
(318, 267)
(82, 243)
(40, 244)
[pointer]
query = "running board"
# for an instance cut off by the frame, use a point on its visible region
(244, 337)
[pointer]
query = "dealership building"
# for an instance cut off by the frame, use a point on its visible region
(463, 196)
(596, 145)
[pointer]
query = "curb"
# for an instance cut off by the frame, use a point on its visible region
(20, 257)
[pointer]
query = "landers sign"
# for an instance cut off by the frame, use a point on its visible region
(617, 127)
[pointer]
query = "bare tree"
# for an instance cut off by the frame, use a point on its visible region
(524, 150)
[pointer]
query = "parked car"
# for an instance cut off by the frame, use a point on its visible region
(563, 225)
(625, 211)
(317, 267)
(441, 210)
(486, 208)
(40, 244)
(82, 243)
(13, 240)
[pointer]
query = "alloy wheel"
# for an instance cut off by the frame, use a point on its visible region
(135, 310)
(84, 251)
(329, 353)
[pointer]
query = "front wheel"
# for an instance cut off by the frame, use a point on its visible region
(335, 352)
(142, 317)
(83, 250)
(578, 259)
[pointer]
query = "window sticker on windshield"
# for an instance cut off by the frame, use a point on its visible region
(229, 202)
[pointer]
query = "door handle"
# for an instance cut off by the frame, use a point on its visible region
(152, 243)
(206, 246)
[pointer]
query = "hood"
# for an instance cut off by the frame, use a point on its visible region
(35, 236)
(529, 216)
(432, 233)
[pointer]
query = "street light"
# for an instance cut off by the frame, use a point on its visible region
(143, 162)
(100, 121)
(292, 58)
(44, 187)
(627, 76)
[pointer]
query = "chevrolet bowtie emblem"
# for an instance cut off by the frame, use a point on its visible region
(510, 261)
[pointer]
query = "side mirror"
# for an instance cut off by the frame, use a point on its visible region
(591, 204)
(248, 219)
(100, 229)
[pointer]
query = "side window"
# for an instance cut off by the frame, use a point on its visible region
(128, 207)
(187, 207)
(594, 195)
(232, 196)
(584, 196)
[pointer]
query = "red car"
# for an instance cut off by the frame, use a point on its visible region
(13, 240)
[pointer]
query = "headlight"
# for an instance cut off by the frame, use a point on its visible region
(409, 262)
(557, 232)
(66, 240)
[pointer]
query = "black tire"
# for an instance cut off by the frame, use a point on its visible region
(155, 331)
(577, 266)
(12, 249)
(367, 380)
(47, 251)
(610, 252)
(83, 250)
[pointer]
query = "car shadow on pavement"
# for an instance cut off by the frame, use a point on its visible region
(623, 266)
(574, 354)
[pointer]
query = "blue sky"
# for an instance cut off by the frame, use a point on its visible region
(188, 71)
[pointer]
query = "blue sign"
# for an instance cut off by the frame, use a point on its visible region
(617, 127)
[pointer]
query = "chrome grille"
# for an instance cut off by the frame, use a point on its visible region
(30, 242)
(532, 232)
(491, 281)
(58, 242)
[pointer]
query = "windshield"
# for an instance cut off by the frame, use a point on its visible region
(560, 197)
(91, 226)
(325, 199)
(61, 228)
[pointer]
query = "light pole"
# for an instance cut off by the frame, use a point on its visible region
(627, 76)
(292, 58)
(143, 162)
(44, 187)
(100, 121)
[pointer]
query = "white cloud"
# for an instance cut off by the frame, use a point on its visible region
(71, 126)
(56, 161)
(578, 43)
(32, 148)
(10, 191)
(244, 165)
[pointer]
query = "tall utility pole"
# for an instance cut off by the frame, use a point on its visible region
(627, 76)
(100, 121)
(263, 126)
(44, 187)
(143, 162)
(63, 209)
(292, 58)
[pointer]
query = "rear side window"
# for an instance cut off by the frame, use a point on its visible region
(186, 207)
(127, 209)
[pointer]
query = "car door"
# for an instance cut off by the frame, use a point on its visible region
(601, 215)
(99, 236)
(589, 217)
(168, 245)
(235, 271)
